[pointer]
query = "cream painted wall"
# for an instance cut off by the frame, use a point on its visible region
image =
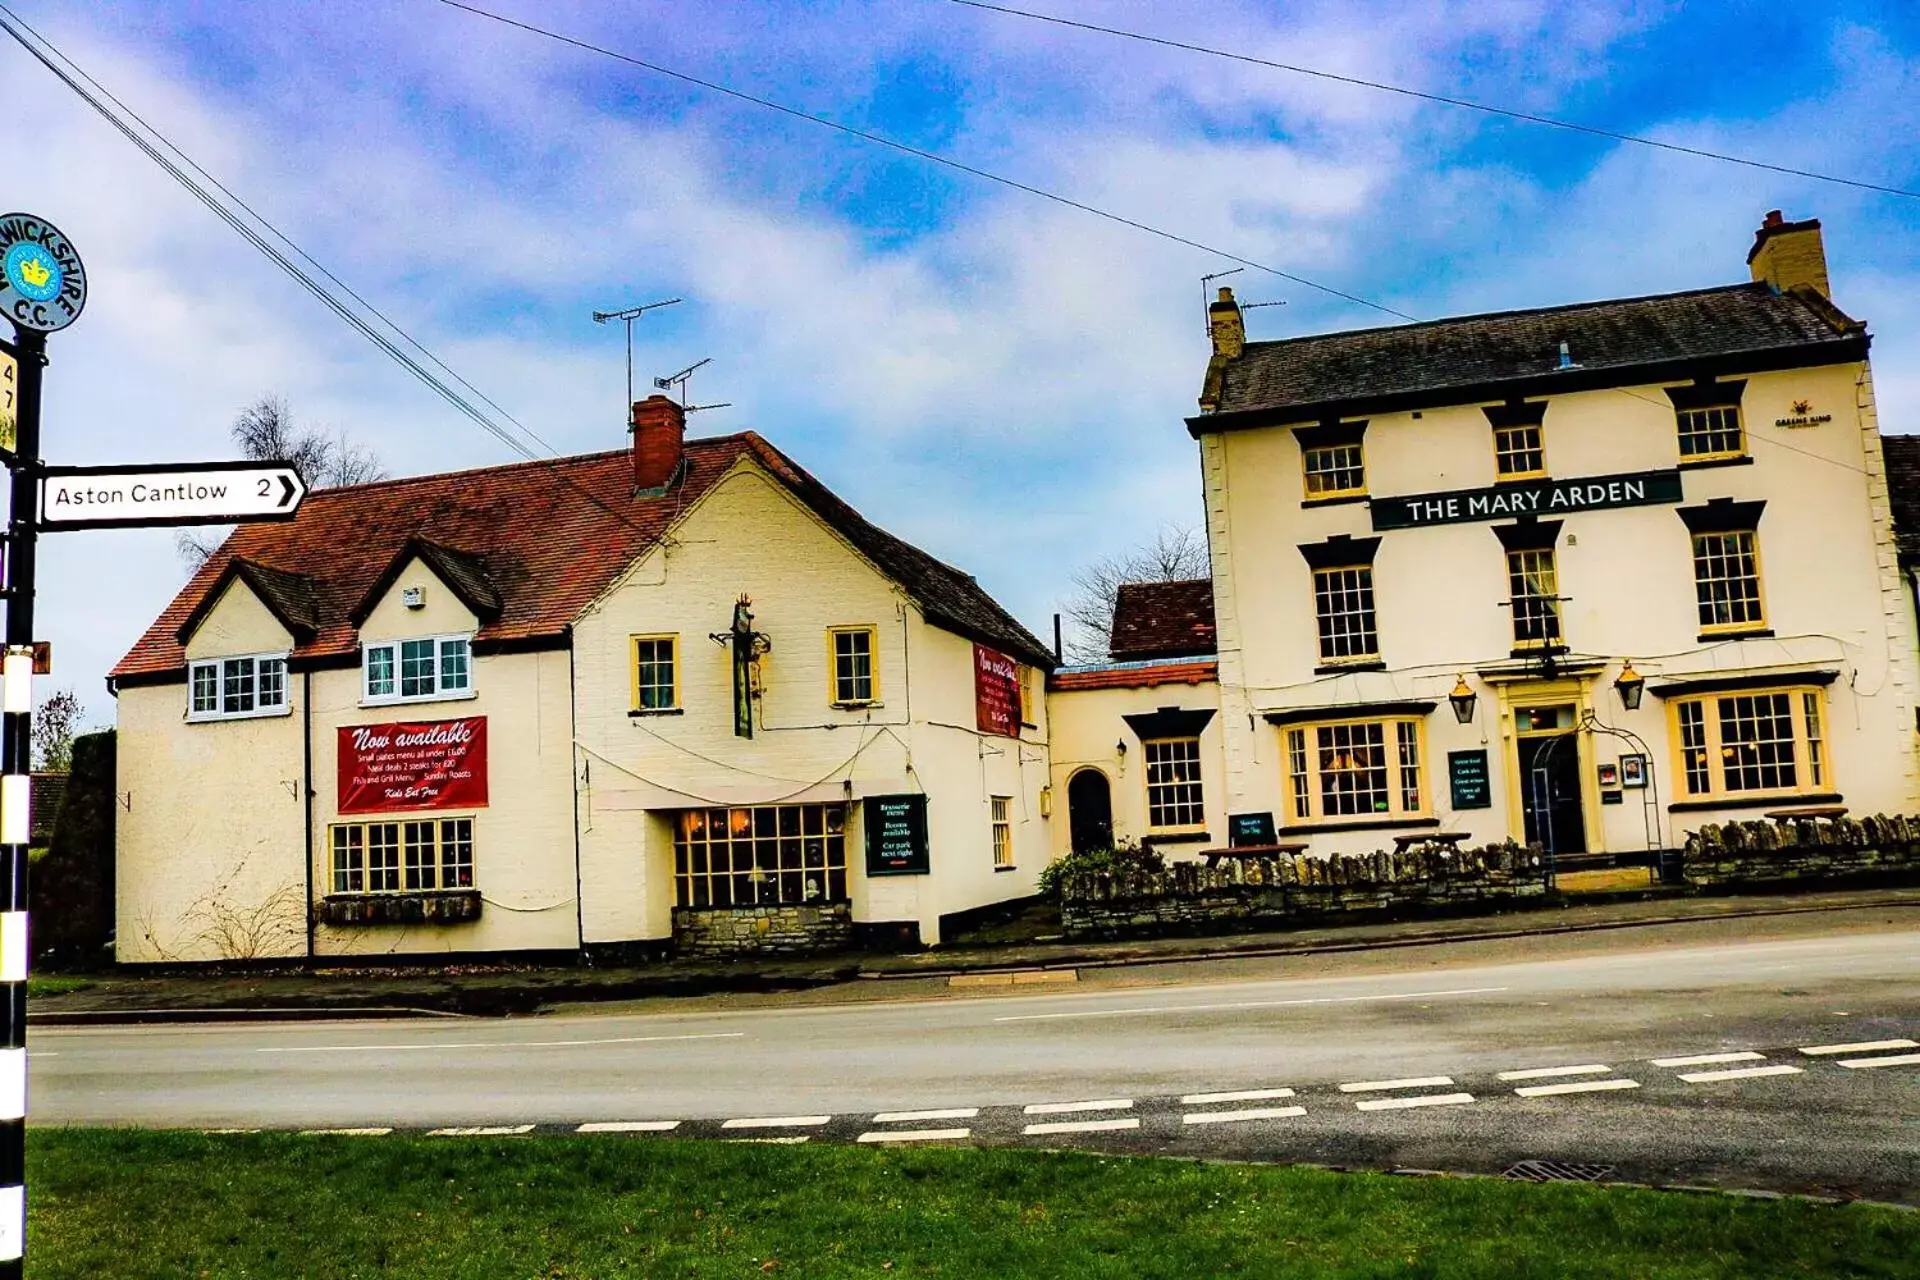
(1087, 726)
(1832, 592)
(238, 624)
(748, 535)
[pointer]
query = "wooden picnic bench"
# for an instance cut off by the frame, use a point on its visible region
(1810, 811)
(1284, 849)
(1451, 839)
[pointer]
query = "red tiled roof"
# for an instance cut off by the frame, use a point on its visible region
(1136, 677)
(545, 538)
(1162, 620)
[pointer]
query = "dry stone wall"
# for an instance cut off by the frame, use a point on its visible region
(1188, 897)
(1804, 849)
(762, 930)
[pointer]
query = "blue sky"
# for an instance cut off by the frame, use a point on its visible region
(998, 379)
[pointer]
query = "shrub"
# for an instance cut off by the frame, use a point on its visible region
(1121, 857)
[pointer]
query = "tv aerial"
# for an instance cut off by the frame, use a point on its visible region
(681, 379)
(630, 315)
(1206, 303)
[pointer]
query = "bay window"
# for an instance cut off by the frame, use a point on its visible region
(1354, 771)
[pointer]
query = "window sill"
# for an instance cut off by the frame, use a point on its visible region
(998, 870)
(428, 906)
(1175, 837)
(857, 706)
(637, 712)
(1702, 464)
(1757, 633)
(465, 695)
(1519, 478)
(1360, 824)
(1336, 500)
(215, 717)
(1339, 668)
(1772, 800)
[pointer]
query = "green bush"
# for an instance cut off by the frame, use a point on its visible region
(71, 890)
(1122, 856)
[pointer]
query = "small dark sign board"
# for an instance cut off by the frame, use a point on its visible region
(1245, 829)
(897, 836)
(1467, 771)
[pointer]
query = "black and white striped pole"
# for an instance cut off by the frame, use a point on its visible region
(42, 288)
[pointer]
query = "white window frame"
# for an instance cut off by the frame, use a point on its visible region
(461, 643)
(401, 853)
(1175, 782)
(1315, 756)
(218, 666)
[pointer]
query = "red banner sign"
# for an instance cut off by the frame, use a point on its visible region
(996, 692)
(439, 764)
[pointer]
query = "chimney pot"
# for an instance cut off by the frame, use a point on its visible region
(1789, 255)
(1773, 218)
(1228, 327)
(659, 442)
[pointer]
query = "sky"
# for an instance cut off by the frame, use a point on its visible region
(997, 378)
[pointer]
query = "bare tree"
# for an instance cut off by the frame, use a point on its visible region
(54, 724)
(1174, 555)
(266, 432)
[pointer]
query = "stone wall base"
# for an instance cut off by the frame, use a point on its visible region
(762, 930)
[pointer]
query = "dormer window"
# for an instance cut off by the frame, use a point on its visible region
(419, 670)
(252, 684)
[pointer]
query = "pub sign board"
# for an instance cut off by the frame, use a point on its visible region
(1528, 498)
(897, 836)
(395, 768)
(1467, 771)
(1249, 830)
(996, 692)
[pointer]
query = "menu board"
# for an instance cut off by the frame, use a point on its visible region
(438, 764)
(996, 692)
(1249, 830)
(897, 836)
(1467, 770)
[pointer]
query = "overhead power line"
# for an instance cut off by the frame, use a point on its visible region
(932, 157)
(1444, 99)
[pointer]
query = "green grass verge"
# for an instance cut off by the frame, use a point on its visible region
(55, 984)
(136, 1204)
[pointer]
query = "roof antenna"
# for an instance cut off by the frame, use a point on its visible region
(630, 315)
(1206, 302)
(681, 379)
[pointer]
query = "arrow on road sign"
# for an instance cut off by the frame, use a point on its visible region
(188, 493)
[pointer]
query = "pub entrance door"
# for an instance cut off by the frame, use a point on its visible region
(1090, 811)
(1550, 781)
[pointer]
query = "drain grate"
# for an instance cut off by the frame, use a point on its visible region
(1557, 1171)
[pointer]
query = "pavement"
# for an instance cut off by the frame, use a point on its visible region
(1778, 1053)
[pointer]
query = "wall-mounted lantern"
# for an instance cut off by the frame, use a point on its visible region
(1631, 685)
(1464, 700)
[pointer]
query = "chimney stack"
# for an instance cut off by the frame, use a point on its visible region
(659, 435)
(1228, 327)
(1789, 255)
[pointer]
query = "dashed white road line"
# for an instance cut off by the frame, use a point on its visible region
(493, 1044)
(1898, 1060)
(1415, 1082)
(1575, 1086)
(1708, 1059)
(1232, 1117)
(774, 1122)
(1244, 1004)
(944, 1113)
(1864, 1046)
(1063, 1108)
(1418, 1100)
(629, 1126)
(1082, 1126)
(1739, 1073)
(1547, 1073)
(481, 1131)
(370, 1132)
(1243, 1095)
(915, 1135)
(792, 1140)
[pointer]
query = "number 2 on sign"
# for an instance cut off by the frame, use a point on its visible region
(266, 488)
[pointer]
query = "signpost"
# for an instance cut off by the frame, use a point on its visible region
(43, 288)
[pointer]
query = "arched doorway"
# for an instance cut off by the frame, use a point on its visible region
(1090, 811)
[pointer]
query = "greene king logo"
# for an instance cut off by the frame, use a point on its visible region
(42, 284)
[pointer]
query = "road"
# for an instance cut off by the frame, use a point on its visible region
(1693, 1067)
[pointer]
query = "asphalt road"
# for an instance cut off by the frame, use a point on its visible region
(1693, 1068)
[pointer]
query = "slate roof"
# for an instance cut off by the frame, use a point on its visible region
(1903, 491)
(1162, 620)
(542, 539)
(1479, 355)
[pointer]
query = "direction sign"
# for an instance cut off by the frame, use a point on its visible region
(187, 493)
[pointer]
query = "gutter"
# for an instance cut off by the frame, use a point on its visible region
(306, 791)
(573, 785)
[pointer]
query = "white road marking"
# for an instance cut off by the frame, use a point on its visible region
(482, 1131)
(1419, 1100)
(1244, 1095)
(346, 1133)
(774, 1122)
(915, 1135)
(1416, 1082)
(1062, 1108)
(629, 1126)
(1708, 1059)
(1865, 1046)
(1244, 1004)
(229, 1131)
(948, 1113)
(1898, 1060)
(791, 1141)
(1742, 1073)
(1082, 1126)
(495, 1044)
(1252, 1113)
(1544, 1073)
(1575, 1086)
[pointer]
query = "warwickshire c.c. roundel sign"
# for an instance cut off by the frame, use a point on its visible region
(42, 284)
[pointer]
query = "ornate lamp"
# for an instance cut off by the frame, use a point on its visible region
(1464, 700)
(1631, 685)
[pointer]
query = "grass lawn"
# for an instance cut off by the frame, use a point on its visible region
(131, 1204)
(55, 984)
